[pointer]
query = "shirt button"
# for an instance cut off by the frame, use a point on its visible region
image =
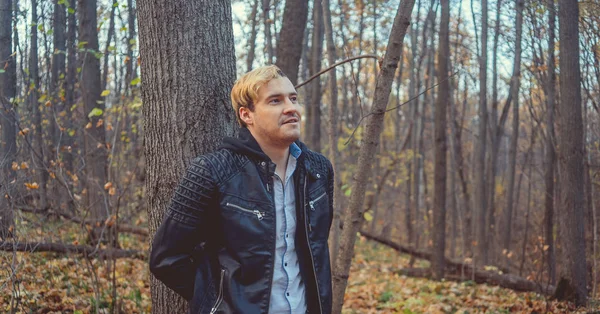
(263, 163)
(288, 294)
(318, 175)
(285, 264)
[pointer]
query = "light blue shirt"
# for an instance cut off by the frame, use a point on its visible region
(287, 292)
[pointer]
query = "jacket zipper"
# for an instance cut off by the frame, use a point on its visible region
(220, 296)
(312, 259)
(312, 203)
(260, 215)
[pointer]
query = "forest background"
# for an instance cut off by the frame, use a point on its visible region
(466, 144)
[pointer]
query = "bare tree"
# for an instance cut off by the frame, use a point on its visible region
(201, 106)
(572, 283)
(34, 79)
(550, 147)
(95, 143)
(295, 16)
(252, 40)
(313, 121)
(8, 90)
(354, 216)
(514, 92)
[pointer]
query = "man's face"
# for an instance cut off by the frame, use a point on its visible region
(276, 116)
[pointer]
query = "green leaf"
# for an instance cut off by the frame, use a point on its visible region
(71, 10)
(50, 32)
(95, 112)
(135, 81)
(124, 28)
(2, 71)
(105, 93)
(132, 41)
(41, 27)
(111, 48)
(43, 98)
(116, 4)
(71, 132)
(81, 44)
(348, 192)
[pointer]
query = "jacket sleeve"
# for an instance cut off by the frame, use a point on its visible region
(330, 191)
(184, 228)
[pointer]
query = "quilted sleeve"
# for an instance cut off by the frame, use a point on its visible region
(184, 228)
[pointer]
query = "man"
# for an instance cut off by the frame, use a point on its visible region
(247, 227)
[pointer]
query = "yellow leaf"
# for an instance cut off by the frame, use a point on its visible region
(24, 165)
(109, 127)
(108, 185)
(99, 123)
(15, 166)
(32, 186)
(112, 191)
(88, 126)
(105, 93)
(48, 103)
(546, 247)
(24, 131)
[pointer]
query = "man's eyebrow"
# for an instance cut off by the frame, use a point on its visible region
(282, 94)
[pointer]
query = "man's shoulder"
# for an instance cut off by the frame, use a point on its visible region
(221, 162)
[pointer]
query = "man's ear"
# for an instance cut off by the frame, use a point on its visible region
(246, 115)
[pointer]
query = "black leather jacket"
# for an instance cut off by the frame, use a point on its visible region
(216, 244)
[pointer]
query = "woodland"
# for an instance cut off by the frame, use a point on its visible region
(464, 134)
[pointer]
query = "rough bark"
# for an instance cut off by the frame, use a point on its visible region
(479, 208)
(439, 193)
(570, 158)
(186, 92)
(295, 16)
(95, 148)
(38, 141)
(512, 154)
(353, 217)
(8, 90)
(550, 148)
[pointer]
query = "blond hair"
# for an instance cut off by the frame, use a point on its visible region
(245, 90)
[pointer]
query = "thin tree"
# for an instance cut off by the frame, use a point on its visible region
(550, 147)
(439, 193)
(295, 16)
(353, 218)
(252, 40)
(572, 283)
(201, 106)
(8, 90)
(313, 121)
(266, 6)
(95, 143)
(479, 208)
(512, 154)
(34, 82)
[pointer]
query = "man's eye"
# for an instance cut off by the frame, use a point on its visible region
(274, 101)
(294, 99)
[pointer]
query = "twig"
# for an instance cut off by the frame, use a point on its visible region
(335, 65)
(87, 250)
(400, 105)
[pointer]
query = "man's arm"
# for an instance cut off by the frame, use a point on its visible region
(330, 192)
(183, 228)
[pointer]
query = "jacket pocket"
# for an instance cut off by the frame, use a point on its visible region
(259, 214)
(314, 201)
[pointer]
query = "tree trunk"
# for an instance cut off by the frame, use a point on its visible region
(295, 16)
(570, 158)
(439, 193)
(550, 148)
(252, 40)
(34, 78)
(58, 71)
(109, 38)
(170, 60)
(313, 123)
(129, 74)
(266, 6)
(334, 153)
(479, 208)
(8, 90)
(69, 139)
(514, 85)
(353, 218)
(95, 172)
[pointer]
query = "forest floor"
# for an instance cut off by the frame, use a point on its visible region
(54, 283)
